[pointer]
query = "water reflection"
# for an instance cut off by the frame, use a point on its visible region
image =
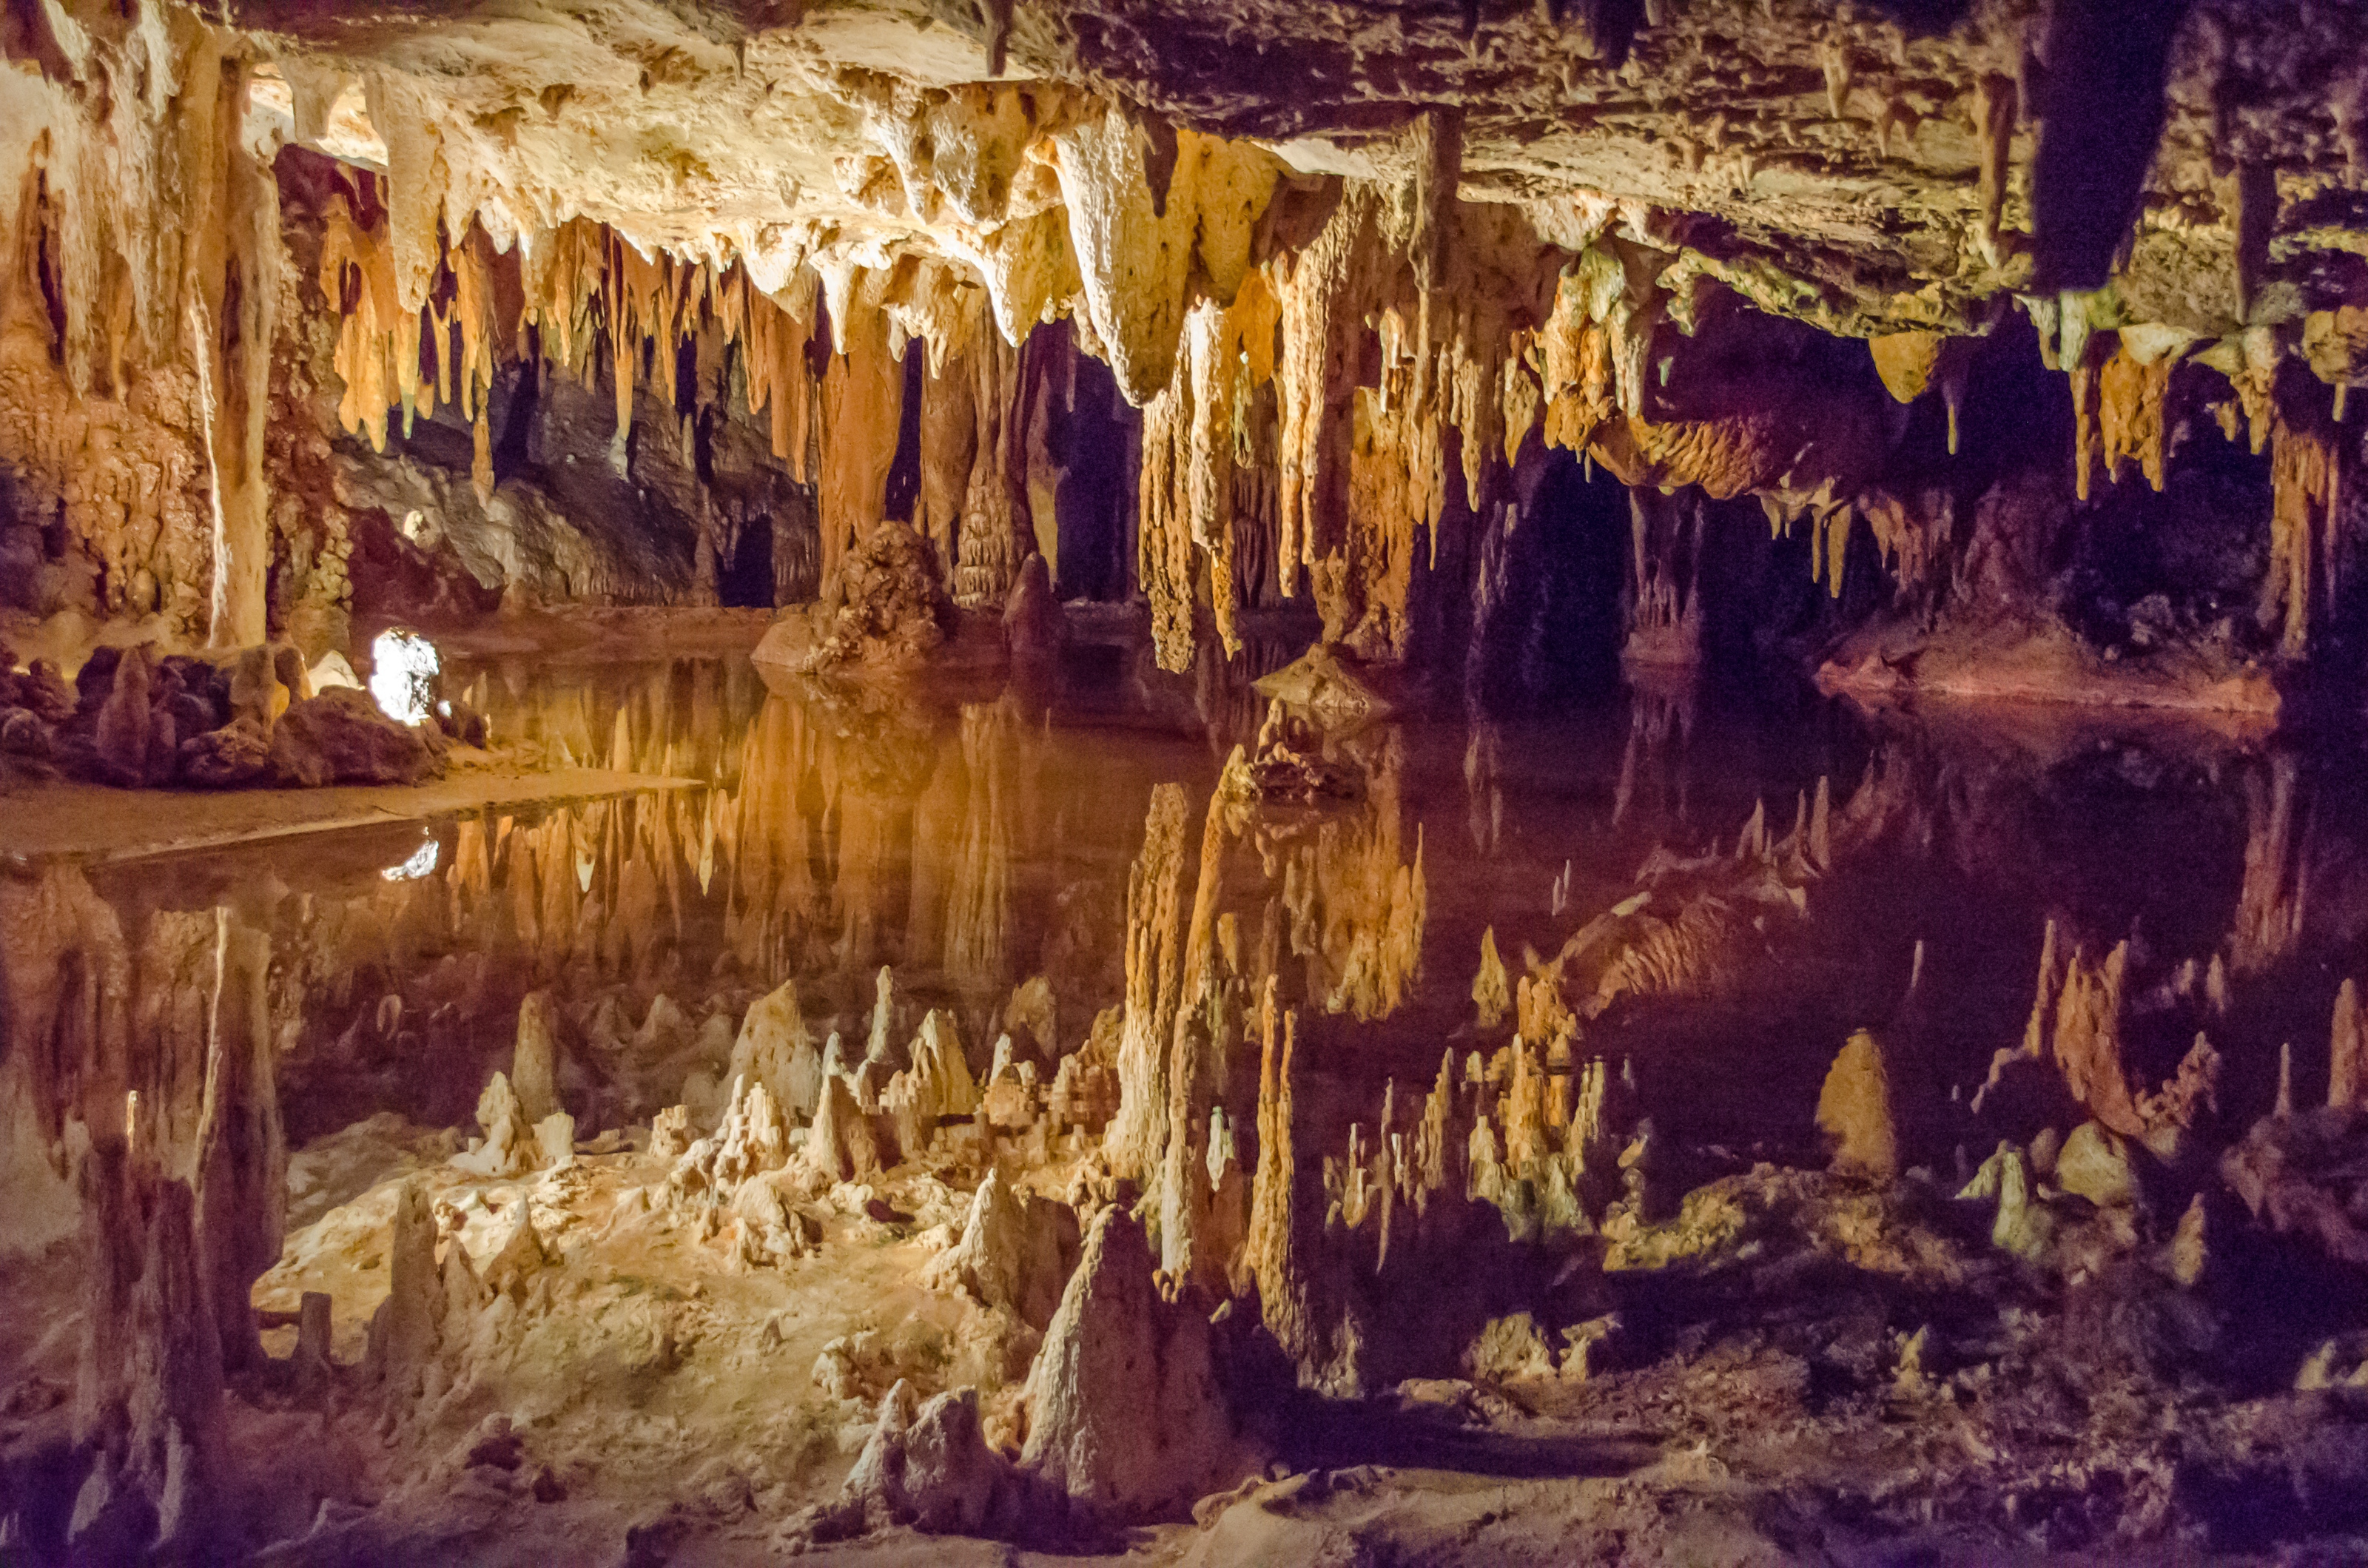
(1675, 899)
(972, 846)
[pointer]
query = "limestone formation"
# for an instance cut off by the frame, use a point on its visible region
(1125, 1418)
(534, 1059)
(1854, 1110)
(1015, 1252)
(774, 1047)
(1110, 413)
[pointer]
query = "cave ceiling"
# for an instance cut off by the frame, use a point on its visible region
(1827, 162)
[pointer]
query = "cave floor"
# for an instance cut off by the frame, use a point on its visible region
(92, 822)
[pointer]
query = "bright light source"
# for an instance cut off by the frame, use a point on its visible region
(422, 862)
(402, 675)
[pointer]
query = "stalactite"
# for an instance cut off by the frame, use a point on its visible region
(994, 538)
(1915, 534)
(243, 283)
(2306, 471)
(1996, 103)
(863, 404)
(1574, 360)
(2132, 416)
(1435, 148)
(949, 426)
(1135, 257)
(1320, 291)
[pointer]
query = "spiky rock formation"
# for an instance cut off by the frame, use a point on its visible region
(1125, 1417)
(1347, 288)
(1016, 1251)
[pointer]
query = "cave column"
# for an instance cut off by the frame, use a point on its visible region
(863, 407)
(232, 294)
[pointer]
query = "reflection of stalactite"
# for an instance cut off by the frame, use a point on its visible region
(148, 1396)
(1278, 1257)
(242, 1164)
(1154, 978)
(1354, 898)
(775, 843)
(1665, 616)
(1660, 726)
(1491, 585)
(2271, 904)
(979, 911)
(1194, 1236)
(1483, 791)
(67, 986)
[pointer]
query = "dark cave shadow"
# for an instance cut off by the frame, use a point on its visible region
(1315, 1433)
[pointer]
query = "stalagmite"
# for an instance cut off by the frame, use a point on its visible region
(1016, 1251)
(775, 1047)
(534, 1059)
(2347, 1081)
(2087, 1044)
(1491, 992)
(405, 1330)
(1126, 1420)
(1854, 1109)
